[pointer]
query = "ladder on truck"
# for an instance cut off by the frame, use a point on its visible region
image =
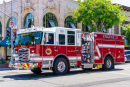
(87, 51)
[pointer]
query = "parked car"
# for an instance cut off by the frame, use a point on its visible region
(127, 55)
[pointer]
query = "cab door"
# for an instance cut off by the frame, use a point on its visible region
(49, 45)
(71, 45)
(60, 48)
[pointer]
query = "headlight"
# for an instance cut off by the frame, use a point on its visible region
(35, 64)
(34, 54)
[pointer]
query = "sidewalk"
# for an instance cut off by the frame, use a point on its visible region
(1, 69)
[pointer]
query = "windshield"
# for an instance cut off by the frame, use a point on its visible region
(29, 38)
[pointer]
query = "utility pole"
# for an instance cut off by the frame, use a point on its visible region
(12, 46)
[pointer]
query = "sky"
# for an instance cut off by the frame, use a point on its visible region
(122, 2)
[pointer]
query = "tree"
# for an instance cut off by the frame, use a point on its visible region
(126, 32)
(99, 14)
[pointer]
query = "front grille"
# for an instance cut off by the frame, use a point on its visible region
(24, 54)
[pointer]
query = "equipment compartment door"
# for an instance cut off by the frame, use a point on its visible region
(109, 47)
(98, 51)
(119, 51)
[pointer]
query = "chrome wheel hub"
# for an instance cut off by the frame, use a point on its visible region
(108, 63)
(61, 66)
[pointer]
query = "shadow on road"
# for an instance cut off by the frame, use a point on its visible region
(128, 62)
(32, 76)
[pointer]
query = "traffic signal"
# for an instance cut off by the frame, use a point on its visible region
(14, 34)
(8, 34)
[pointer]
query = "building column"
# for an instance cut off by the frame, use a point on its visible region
(61, 23)
(3, 52)
(79, 26)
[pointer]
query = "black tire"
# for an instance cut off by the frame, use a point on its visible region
(108, 63)
(60, 66)
(36, 70)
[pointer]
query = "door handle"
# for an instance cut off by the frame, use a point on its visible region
(76, 48)
(55, 48)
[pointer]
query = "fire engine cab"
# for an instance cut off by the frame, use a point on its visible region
(61, 49)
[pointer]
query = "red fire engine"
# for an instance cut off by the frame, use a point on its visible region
(60, 49)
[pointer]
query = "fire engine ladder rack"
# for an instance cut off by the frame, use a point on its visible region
(87, 52)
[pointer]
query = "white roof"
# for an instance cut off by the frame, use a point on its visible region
(52, 29)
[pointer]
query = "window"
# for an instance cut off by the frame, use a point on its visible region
(85, 28)
(50, 20)
(61, 39)
(104, 30)
(29, 21)
(29, 38)
(71, 37)
(50, 38)
(0, 31)
(70, 23)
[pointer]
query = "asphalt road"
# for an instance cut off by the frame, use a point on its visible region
(119, 77)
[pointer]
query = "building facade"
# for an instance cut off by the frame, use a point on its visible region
(37, 13)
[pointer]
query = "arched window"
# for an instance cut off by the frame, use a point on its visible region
(29, 21)
(104, 30)
(85, 28)
(50, 20)
(8, 23)
(0, 31)
(70, 23)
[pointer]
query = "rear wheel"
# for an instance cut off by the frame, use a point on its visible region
(36, 70)
(108, 63)
(60, 66)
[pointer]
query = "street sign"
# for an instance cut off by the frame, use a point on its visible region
(12, 23)
(8, 43)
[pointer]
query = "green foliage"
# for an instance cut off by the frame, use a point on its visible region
(99, 14)
(2, 61)
(31, 36)
(126, 32)
(1, 37)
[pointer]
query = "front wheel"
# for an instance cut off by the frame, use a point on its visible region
(60, 66)
(36, 70)
(108, 63)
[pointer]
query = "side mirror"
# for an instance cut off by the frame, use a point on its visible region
(47, 37)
